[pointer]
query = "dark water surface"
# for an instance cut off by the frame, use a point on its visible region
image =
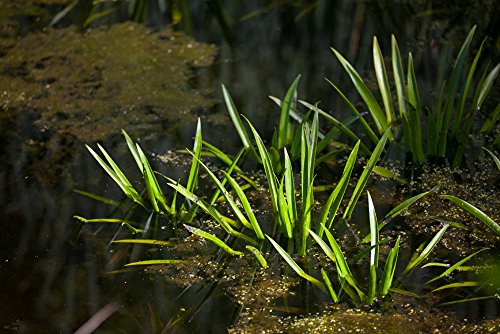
(60, 90)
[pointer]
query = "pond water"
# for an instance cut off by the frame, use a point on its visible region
(61, 89)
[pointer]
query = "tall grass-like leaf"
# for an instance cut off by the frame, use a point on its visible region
(155, 262)
(383, 83)
(154, 191)
(229, 199)
(193, 172)
(329, 285)
(342, 127)
(268, 169)
(384, 172)
(295, 147)
(414, 101)
(485, 88)
(369, 131)
(456, 285)
(145, 242)
(335, 199)
(389, 269)
(246, 205)
(342, 266)
(232, 167)
(284, 212)
(328, 156)
(284, 126)
(308, 155)
(465, 92)
(406, 117)
(447, 265)
(213, 239)
(295, 266)
(235, 117)
(374, 253)
(365, 175)
(119, 179)
(209, 209)
(344, 285)
(396, 211)
(101, 220)
(258, 255)
(290, 190)
(403, 205)
(455, 266)
(123, 222)
(399, 77)
(331, 136)
(418, 258)
(326, 249)
(293, 113)
(133, 150)
(373, 106)
(452, 90)
(152, 186)
(482, 90)
(469, 300)
(434, 122)
(475, 212)
(495, 158)
(114, 166)
(220, 155)
(413, 94)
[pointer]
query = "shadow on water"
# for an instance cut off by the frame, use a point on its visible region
(61, 89)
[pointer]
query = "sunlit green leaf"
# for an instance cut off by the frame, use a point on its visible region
(418, 258)
(295, 266)
(145, 242)
(212, 238)
(475, 212)
(155, 262)
(456, 285)
(283, 138)
(258, 255)
(389, 269)
(363, 179)
(455, 266)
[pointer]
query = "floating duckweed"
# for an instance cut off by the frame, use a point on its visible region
(92, 85)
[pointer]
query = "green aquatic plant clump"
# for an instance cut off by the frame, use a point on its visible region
(299, 217)
(248, 233)
(449, 121)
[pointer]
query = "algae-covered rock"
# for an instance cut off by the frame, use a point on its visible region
(91, 85)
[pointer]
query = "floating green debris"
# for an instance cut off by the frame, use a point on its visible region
(91, 85)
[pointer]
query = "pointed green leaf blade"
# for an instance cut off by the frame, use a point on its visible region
(475, 212)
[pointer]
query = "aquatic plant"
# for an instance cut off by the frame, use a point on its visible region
(475, 212)
(155, 194)
(347, 280)
(296, 222)
(495, 158)
(282, 193)
(450, 119)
